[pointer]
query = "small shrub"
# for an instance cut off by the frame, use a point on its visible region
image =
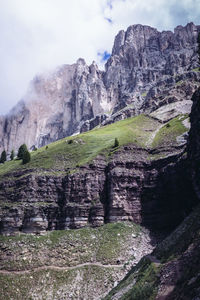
(70, 141)
(46, 147)
(167, 125)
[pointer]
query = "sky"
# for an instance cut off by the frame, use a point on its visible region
(36, 36)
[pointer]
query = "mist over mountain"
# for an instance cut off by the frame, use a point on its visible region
(143, 62)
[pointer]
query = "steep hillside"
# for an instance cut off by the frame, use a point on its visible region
(85, 180)
(73, 264)
(171, 272)
(124, 185)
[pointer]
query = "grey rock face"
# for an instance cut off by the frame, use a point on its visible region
(142, 57)
(55, 106)
(144, 62)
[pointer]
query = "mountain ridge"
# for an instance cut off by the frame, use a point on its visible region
(57, 105)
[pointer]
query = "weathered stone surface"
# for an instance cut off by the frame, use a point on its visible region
(155, 193)
(55, 106)
(143, 59)
(144, 62)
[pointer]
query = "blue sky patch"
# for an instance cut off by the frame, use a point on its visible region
(104, 56)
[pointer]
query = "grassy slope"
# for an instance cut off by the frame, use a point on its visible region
(139, 284)
(169, 132)
(85, 147)
(102, 244)
(105, 244)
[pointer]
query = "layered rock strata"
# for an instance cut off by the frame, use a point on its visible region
(155, 193)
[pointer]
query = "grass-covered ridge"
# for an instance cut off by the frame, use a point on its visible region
(86, 146)
(72, 152)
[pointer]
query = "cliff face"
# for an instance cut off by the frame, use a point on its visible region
(144, 62)
(194, 142)
(86, 181)
(136, 185)
(171, 272)
(55, 106)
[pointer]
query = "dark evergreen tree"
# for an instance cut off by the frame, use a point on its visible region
(26, 157)
(3, 157)
(21, 151)
(12, 155)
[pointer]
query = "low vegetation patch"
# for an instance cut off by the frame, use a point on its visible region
(69, 247)
(139, 284)
(167, 135)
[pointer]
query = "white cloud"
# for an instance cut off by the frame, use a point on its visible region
(37, 35)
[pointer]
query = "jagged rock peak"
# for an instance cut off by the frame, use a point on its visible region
(141, 36)
(143, 63)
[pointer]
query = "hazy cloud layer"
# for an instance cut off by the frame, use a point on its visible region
(38, 35)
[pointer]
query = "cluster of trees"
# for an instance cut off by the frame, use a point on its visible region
(23, 154)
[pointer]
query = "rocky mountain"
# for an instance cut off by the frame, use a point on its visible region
(84, 181)
(171, 272)
(138, 192)
(129, 188)
(144, 63)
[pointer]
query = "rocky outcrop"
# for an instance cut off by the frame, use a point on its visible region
(143, 59)
(55, 106)
(131, 187)
(172, 270)
(144, 62)
(165, 105)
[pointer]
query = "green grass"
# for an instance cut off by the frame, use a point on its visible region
(62, 156)
(51, 284)
(170, 131)
(64, 248)
(103, 244)
(141, 282)
(85, 147)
